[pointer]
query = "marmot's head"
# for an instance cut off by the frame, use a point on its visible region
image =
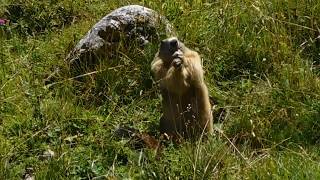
(168, 47)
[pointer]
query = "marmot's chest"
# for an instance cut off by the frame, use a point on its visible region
(176, 81)
(183, 101)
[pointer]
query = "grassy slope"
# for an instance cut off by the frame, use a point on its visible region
(262, 65)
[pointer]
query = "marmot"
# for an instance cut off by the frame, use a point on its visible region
(186, 106)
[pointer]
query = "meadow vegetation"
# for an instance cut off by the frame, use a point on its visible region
(262, 66)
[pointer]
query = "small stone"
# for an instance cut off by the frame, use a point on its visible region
(28, 174)
(48, 154)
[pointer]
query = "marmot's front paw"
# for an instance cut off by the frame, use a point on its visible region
(177, 54)
(177, 63)
(177, 59)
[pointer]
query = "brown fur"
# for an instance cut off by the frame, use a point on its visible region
(186, 106)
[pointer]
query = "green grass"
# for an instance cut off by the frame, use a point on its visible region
(261, 60)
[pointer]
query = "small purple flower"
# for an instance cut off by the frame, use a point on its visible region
(3, 22)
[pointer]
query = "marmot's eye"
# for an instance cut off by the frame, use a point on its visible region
(174, 43)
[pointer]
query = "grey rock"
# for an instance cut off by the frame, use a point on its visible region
(131, 23)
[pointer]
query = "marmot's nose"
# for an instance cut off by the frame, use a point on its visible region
(174, 43)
